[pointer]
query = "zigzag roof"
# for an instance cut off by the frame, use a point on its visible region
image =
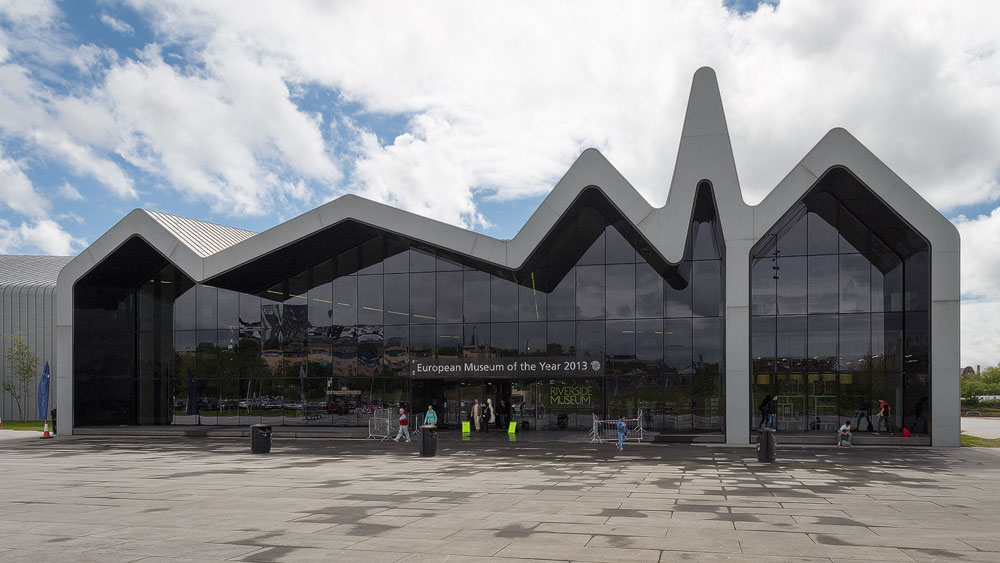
(204, 251)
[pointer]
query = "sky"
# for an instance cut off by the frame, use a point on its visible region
(249, 113)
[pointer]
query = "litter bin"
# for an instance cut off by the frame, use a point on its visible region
(260, 438)
(428, 440)
(766, 445)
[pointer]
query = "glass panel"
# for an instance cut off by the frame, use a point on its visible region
(370, 351)
(503, 300)
(707, 402)
(207, 307)
(476, 341)
(229, 308)
(823, 331)
(887, 387)
(855, 284)
(621, 291)
(704, 244)
(762, 344)
(590, 340)
(321, 305)
(917, 282)
(449, 341)
(449, 297)
(531, 304)
(561, 304)
(791, 285)
(791, 343)
(793, 241)
(345, 300)
(855, 342)
(422, 294)
(423, 340)
(916, 343)
(677, 352)
(853, 234)
(707, 288)
(590, 291)
(677, 292)
(476, 297)
(649, 346)
(421, 261)
(397, 257)
(791, 402)
(561, 338)
(764, 294)
(854, 402)
(619, 250)
(916, 409)
(503, 337)
(531, 339)
(249, 312)
(371, 256)
(397, 298)
(595, 252)
(823, 236)
(677, 407)
(822, 284)
(370, 300)
(648, 291)
(707, 338)
(620, 346)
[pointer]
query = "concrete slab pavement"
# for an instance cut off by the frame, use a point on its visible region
(193, 499)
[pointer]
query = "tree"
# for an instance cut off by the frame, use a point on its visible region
(23, 362)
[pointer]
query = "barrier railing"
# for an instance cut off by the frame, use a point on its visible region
(607, 430)
(380, 425)
(384, 425)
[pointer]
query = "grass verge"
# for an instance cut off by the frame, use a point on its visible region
(977, 442)
(26, 425)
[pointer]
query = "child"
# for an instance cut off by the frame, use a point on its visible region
(622, 432)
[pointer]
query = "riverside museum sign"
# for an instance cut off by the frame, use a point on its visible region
(538, 367)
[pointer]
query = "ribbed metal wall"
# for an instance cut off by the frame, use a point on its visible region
(28, 308)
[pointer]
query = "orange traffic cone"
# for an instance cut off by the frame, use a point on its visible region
(45, 432)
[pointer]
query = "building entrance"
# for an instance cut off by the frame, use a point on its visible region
(534, 404)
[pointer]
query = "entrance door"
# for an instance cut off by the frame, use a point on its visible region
(498, 390)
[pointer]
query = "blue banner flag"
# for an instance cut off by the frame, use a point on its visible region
(43, 394)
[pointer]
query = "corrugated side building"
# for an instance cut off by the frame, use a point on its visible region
(28, 290)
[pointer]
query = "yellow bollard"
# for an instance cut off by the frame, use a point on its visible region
(466, 427)
(512, 427)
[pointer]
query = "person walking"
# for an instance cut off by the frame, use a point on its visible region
(844, 434)
(404, 426)
(430, 417)
(884, 417)
(772, 413)
(503, 414)
(622, 432)
(489, 415)
(862, 414)
(477, 414)
(764, 408)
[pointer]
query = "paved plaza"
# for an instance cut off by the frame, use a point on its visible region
(191, 499)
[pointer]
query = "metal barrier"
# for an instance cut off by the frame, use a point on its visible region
(607, 430)
(384, 425)
(380, 425)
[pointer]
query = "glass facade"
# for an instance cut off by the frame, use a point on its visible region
(840, 306)
(331, 327)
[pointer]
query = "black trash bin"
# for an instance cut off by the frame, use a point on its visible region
(260, 438)
(766, 445)
(428, 440)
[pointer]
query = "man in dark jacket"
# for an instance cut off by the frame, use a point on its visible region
(772, 412)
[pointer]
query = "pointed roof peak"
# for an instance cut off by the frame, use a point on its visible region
(705, 115)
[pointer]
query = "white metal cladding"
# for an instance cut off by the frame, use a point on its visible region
(705, 153)
(28, 288)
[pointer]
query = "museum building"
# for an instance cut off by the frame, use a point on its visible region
(840, 288)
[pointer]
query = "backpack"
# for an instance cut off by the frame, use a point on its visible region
(763, 406)
(906, 432)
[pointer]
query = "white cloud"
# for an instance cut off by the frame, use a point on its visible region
(980, 290)
(17, 191)
(117, 24)
(67, 191)
(43, 236)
